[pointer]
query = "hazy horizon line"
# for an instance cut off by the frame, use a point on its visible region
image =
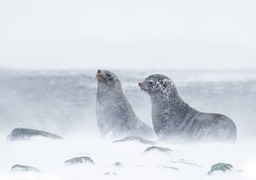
(7, 68)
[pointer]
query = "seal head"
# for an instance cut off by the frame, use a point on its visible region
(159, 86)
(108, 81)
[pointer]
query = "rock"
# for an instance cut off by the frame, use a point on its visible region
(79, 160)
(18, 134)
(157, 148)
(18, 167)
(118, 164)
(169, 167)
(109, 173)
(186, 162)
(135, 139)
(220, 167)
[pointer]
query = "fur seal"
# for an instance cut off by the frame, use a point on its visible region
(174, 120)
(115, 115)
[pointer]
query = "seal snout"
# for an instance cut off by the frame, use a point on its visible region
(100, 75)
(143, 86)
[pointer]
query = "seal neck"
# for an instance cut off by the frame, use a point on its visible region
(171, 103)
(170, 96)
(168, 114)
(106, 90)
(172, 106)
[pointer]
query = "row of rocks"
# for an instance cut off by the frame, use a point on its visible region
(223, 167)
(18, 134)
(75, 160)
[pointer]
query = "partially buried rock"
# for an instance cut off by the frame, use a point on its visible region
(118, 164)
(18, 134)
(220, 167)
(169, 167)
(18, 168)
(135, 139)
(80, 160)
(159, 149)
(186, 162)
(110, 173)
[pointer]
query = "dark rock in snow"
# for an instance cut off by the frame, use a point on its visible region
(118, 164)
(220, 167)
(186, 162)
(109, 173)
(80, 160)
(169, 167)
(18, 134)
(160, 149)
(135, 139)
(18, 167)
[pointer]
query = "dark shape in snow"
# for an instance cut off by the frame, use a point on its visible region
(118, 164)
(18, 167)
(80, 160)
(183, 161)
(174, 120)
(220, 167)
(169, 167)
(110, 173)
(135, 139)
(115, 115)
(159, 149)
(18, 134)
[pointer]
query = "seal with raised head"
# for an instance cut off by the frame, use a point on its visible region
(174, 120)
(115, 115)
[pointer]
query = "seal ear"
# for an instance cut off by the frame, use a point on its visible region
(163, 83)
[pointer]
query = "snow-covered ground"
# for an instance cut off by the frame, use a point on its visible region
(190, 161)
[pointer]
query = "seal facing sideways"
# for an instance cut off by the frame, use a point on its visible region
(115, 115)
(174, 120)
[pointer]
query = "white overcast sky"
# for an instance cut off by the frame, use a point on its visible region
(128, 34)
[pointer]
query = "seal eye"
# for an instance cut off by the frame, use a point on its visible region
(108, 75)
(151, 82)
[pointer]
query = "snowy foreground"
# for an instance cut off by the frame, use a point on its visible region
(127, 160)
